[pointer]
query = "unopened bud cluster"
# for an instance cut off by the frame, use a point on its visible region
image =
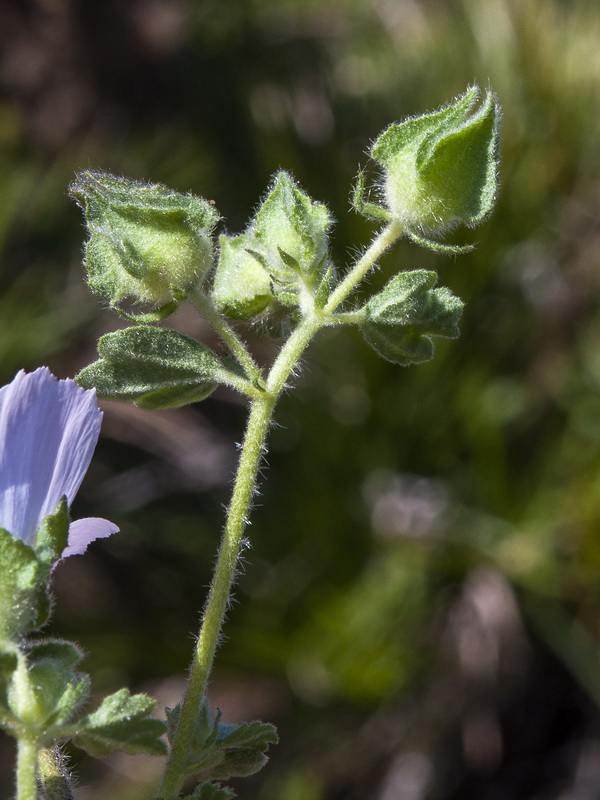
(150, 245)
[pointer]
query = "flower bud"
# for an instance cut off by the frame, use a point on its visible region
(147, 243)
(441, 168)
(292, 230)
(242, 286)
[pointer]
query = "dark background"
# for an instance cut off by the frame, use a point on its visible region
(420, 609)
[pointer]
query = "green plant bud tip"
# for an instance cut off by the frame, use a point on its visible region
(292, 230)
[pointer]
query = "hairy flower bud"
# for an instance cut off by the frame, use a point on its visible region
(242, 286)
(441, 168)
(147, 243)
(292, 230)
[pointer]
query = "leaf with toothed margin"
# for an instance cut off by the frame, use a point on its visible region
(400, 320)
(152, 367)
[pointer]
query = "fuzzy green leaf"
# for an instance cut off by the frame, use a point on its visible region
(219, 751)
(153, 367)
(409, 299)
(122, 722)
(211, 791)
(248, 734)
(24, 601)
(399, 346)
(400, 319)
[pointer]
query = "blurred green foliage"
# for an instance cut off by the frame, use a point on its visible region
(420, 611)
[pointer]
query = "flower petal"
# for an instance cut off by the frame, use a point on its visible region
(83, 532)
(48, 432)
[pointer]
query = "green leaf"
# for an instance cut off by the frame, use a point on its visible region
(122, 722)
(24, 601)
(398, 346)
(400, 319)
(219, 751)
(211, 791)
(248, 734)
(236, 763)
(153, 367)
(409, 299)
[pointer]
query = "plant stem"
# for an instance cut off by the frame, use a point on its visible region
(226, 332)
(261, 411)
(27, 759)
(53, 775)
(390, 234)
(218, 598)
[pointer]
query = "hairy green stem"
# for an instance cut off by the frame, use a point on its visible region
(27, 761)
(390, 234)
(226, 332)
(53, 775)
(261, 411)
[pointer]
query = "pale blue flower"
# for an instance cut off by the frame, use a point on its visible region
(48, 432)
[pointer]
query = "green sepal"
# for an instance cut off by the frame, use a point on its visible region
(242, 286)
(408, 136)
(363, 206)
(147, 242)
(324, 286)
(441, 168)
(122, 722)
(290, 262)
(152, 316)
(400, 319)
(55, 690)
(292, 230)
(152, 367)
(24, 600)
(219, 751)
(52, 536)
(438, 247)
